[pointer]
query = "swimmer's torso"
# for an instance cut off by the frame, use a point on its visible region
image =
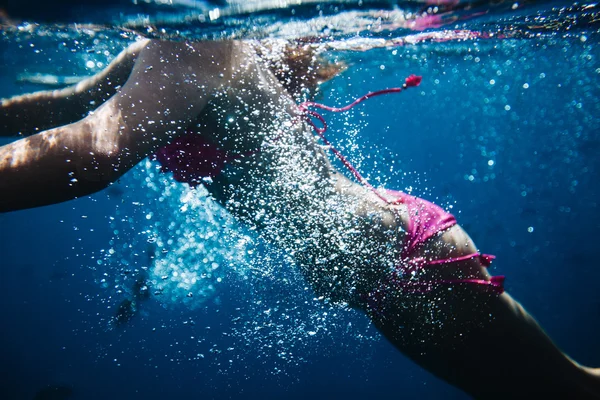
(282, 183)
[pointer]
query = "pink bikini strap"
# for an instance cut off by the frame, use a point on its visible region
(416, 263)
(411, 81)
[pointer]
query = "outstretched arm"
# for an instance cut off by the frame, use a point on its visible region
(169, 85)
(34, 112)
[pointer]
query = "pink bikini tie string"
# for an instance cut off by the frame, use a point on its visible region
(411, 81)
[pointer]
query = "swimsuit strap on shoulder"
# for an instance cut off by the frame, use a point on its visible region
(420, 262)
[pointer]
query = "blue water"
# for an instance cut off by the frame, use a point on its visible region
(502, 132)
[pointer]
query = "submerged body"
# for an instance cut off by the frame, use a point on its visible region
(349, 243)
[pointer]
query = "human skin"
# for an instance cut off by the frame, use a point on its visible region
(344, 239)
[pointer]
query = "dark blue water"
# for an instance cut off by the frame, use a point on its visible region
(503, 132)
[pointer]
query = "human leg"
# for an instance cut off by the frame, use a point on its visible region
(484, 343)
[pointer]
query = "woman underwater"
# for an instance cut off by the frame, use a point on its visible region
(223, 114)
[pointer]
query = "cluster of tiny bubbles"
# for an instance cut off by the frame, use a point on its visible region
(284, 323)
(288, 320)
(193, 256)
(190, 242)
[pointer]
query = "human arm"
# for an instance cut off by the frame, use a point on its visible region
(170, 84)
(34, 112)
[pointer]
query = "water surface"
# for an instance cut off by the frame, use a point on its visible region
(503, 132)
